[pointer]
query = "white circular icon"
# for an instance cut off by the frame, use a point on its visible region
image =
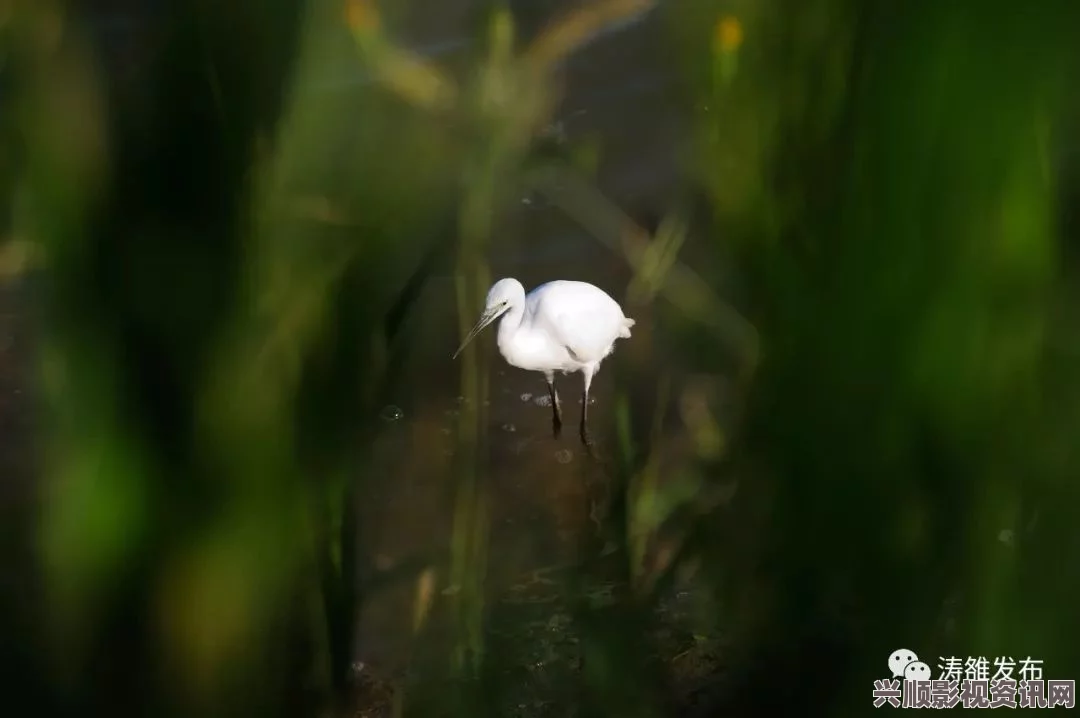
(899, 660)
(917, 671)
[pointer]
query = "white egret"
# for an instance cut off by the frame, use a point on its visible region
(559, 326)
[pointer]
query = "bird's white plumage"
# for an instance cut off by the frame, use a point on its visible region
(559, 326)
(579, 315)
(562, 326)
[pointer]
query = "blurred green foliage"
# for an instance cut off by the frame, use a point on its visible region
(232, 257)
(904, 410)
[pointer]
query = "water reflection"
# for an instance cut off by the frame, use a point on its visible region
(542, 495)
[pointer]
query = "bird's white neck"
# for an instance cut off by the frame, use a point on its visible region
(509, 325)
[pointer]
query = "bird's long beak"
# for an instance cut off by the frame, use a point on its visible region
(486, 318)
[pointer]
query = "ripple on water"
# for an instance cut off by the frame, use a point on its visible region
(526, 396)
(564, 456)
(509, 428)
(391, 413)
(542, 400)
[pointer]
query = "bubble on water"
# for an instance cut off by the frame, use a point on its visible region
(451, 413)
(526, 396)
(564, 456)
(445, 431)
(460, 400)
(543, 400)
(526, 200)
(391, 413)
(592, 400)
(1006, 536)
(509, 428)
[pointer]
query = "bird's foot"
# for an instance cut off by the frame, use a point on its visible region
(586, 438)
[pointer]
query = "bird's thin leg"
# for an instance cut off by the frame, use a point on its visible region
(585, 438)
(556, 410)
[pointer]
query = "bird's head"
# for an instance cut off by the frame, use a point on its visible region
(503, 295)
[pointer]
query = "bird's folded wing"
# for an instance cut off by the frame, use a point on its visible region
(584, 334)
